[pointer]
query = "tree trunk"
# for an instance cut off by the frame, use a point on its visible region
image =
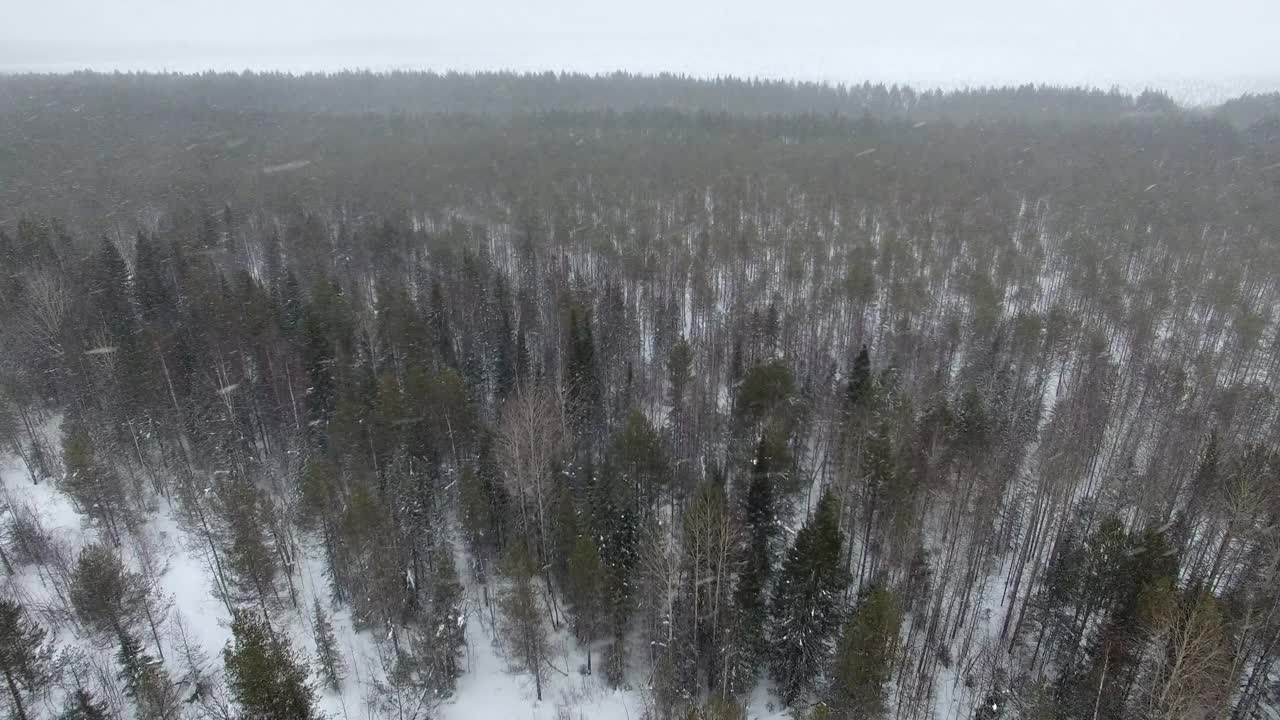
(19, 711)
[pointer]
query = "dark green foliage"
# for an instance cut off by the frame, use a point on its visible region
(92, 483)
(326, 332)
(766, 395)
(477, 511)
(864, 658)
(620, 551)
(760, 513)
(858, 394)
(807, 598)
(25, 656)
(586, 590)
(449, 624)
(268, 681)
(582, 381)
(251, 561)
(146, 682)
(523, 628)
(328, 654)
(637, 468)
(81, 705)
(1107, 582)
(1076, 287)
(104, 593)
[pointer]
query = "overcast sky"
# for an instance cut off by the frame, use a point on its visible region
(947, 42)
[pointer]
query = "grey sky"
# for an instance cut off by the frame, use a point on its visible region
(1129, 42)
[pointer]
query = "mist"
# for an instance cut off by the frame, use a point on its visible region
(1196, 49)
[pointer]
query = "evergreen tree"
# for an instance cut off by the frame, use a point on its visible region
(319, 508)
(95, 487)
(805, 614)
(766, 400)
(328, 657)
(522, 617)
(477, 512)
(636, 467)
(268, 680)
(679, 366)
(25, 656)
(449, 620)
(146, 682)
(251, 561)
(586, 589)
(760, 516)
(105, 595)
(81, 705)
(581, 380)
(859, 391)
(864, 658)
(441, 331)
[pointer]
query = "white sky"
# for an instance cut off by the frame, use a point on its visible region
(929, 42)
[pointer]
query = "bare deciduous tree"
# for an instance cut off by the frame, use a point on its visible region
(530, 439)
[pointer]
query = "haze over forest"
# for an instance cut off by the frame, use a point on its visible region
(1198, 51)
(821, 363)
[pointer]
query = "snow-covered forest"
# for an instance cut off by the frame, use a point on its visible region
(407, 396)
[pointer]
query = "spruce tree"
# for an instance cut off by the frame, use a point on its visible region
(858, 394)
(328, 658)
(805, 614)
(25, 655)
(449, 621)
(268, 680)
(145, 681)
(749, 598)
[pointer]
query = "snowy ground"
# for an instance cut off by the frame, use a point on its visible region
(489, 688)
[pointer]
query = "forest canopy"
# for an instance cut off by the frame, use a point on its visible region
(744, 395)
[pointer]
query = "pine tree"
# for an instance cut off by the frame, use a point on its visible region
(765, 399)
(251, 561)
(449, 619)
(106, 596)
(95, 488)
(268, 680)
(328, 659)
(805, 613)
(637, 469)
(864, 658)
(25, 655)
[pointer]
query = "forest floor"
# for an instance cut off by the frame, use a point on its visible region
(490, 687)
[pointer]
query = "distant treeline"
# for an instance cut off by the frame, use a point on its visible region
(503, 93)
